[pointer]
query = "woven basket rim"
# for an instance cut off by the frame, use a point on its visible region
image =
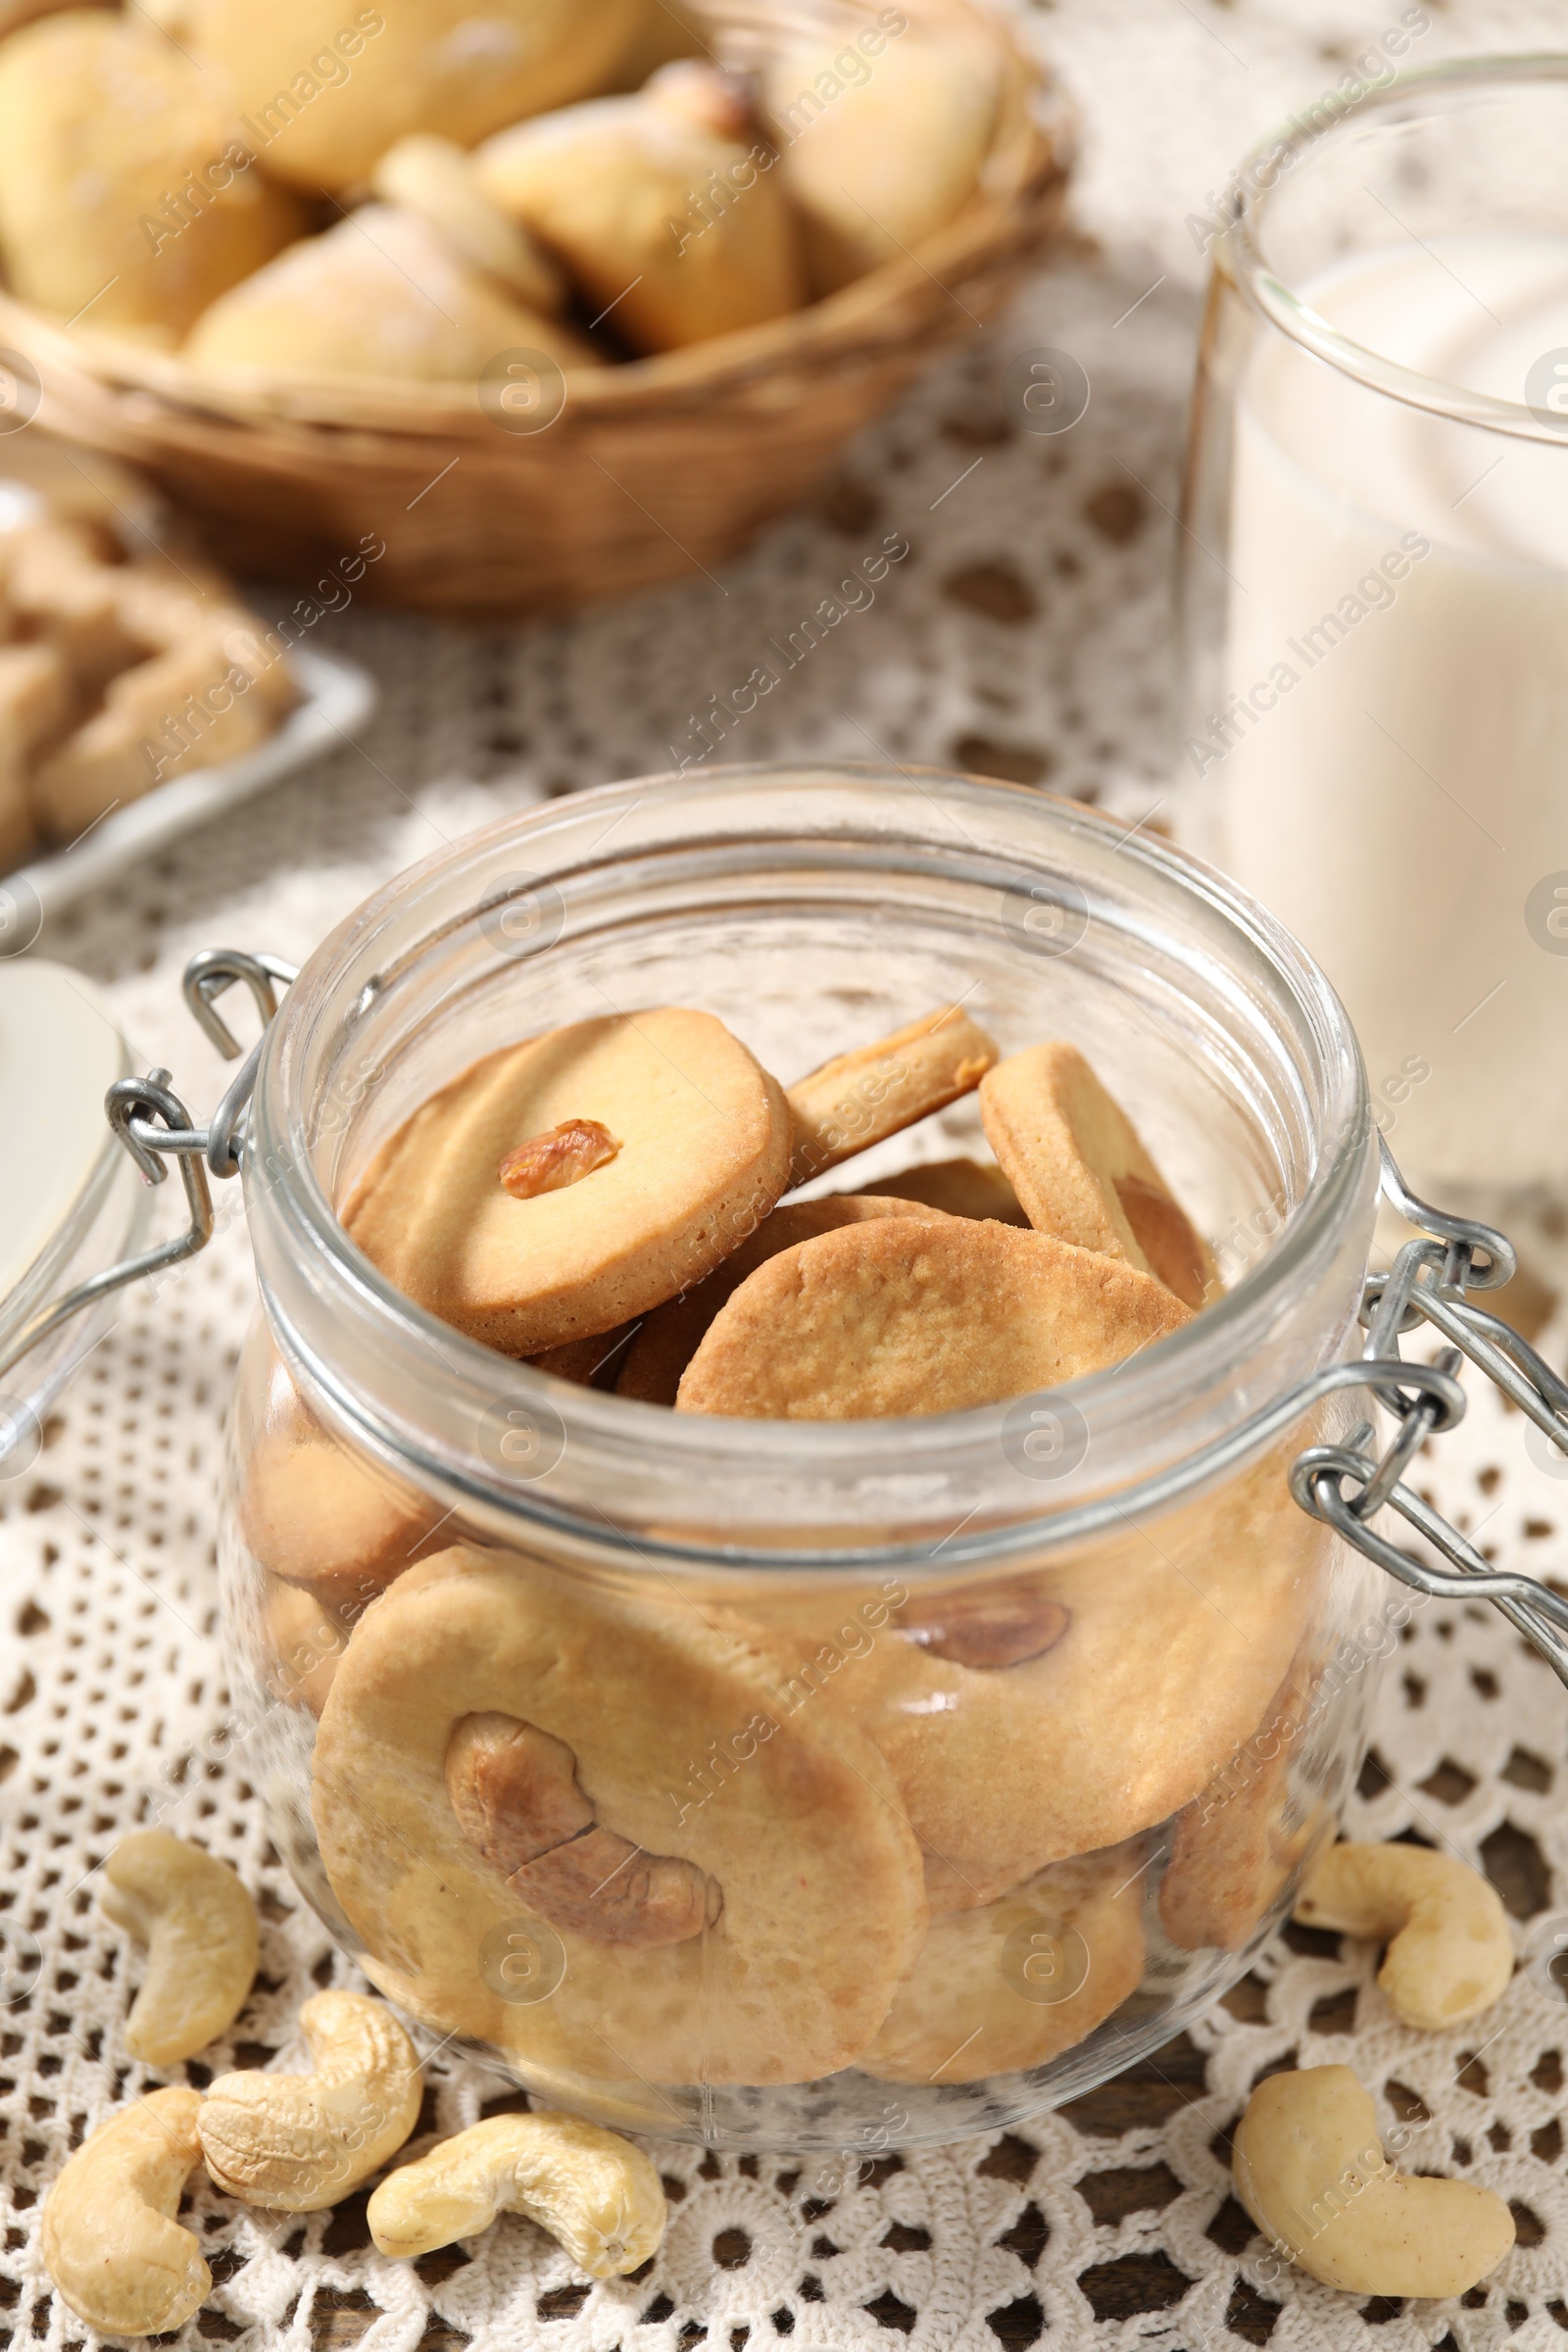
(1025, 166)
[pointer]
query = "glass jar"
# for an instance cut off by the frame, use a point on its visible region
(889, 1889)
(1374, 704)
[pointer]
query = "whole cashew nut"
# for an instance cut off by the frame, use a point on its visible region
(1449, 1953)
(597, 2194)
(296, 2142)
(517, 1800)
(1310, 2169)
(109, 2241)
(199, 1927)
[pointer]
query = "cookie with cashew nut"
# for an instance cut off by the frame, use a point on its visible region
(591, 2189)
(897, 1317)
(860, 1097)
(117, 2256)
(670, 1335)
(1021, 1980)
(1310, 2169)
(298, 2143)
(1450, 1955)
(1060, 1711)
(461, 1211)
(199, 1926)
(1077, 1164)
(507, 1748)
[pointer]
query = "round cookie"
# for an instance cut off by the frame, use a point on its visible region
(892, 1318)
(961, 1187)
(669, 1337)
(330, 86)
(1236, 1847)
(1079, 1168)
(813, 1906)
(703, 1139)
(860, 1097)
(1015, 1983)
(302, 1639)
(128, 191)
(316, 1514)
(591, 1363)
(1138, 1670)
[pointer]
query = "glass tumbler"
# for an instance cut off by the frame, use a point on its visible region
(1374, 694)
(951, 1762)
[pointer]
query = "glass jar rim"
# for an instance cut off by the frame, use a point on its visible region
(282, 1183)
(1282, 307)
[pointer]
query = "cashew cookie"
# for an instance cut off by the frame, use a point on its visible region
(893, 1317)
(1018, 1982)
(669, 1337)
(1059, 1712)
(859, 1098)
(509, 1750)
(703, 1137)
(1077, 1165)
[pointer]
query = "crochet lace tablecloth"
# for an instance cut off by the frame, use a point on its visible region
(1024, 634)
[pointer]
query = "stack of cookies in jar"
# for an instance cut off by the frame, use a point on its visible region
(934, 1827)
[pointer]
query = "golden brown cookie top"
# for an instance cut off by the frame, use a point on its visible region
(859, 1097)
(702, 1137)
(670, 1335)
(1077, 1164)
(960, 1187)
(890, 1318)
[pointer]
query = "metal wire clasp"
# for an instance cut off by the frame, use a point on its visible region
(1342, 1485)
(1428, 1283)
(155, 1126)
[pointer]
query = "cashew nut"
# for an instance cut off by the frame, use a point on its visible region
(1310, 2169)
(597, 2194)
(199, 1927)
(1449, 1953)
(1007, 1625)
(296, 2142)
(109, 2241)
(515, 1793)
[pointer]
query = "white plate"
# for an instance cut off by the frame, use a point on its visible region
(336, 698)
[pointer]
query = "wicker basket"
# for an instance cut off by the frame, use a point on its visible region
(652, 469)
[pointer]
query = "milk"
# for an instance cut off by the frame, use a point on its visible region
(1394, 780)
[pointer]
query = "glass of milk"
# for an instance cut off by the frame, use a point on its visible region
(1374, 705)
